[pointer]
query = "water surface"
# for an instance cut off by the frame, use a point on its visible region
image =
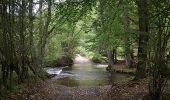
(84, 73)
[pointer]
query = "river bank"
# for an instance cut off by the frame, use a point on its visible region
(120, 67)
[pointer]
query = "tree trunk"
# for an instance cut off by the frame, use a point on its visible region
(110, 59)
(143, 38)
(114, 56)
(127, 33)
(44, 33)
(33, 54)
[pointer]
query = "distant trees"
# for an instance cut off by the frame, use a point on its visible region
(114, 28)
(108, 28)
(66, 33)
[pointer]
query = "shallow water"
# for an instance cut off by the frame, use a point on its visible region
(85, 75)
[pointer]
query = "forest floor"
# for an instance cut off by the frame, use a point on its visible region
(47, 90)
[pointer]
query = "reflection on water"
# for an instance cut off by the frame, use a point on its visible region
(84, 75)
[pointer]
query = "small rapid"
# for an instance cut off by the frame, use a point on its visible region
(54, 71)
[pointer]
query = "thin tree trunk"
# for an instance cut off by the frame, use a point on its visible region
(33, 62)
(44, 34)
(126, 21)
(115, 60)
(110, 59)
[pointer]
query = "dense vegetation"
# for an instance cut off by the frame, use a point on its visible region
(38, 33)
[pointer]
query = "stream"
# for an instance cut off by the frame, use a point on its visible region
(84, 73)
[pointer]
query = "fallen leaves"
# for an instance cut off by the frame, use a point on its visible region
(48, 90)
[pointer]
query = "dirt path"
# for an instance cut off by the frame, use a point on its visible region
(81, 60)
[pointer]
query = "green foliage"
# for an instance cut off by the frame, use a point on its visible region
(98, 58)
(53, 49)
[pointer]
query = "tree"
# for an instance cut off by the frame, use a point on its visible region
(127, 32)
(143, 37)
(108, 27)
(158, 57)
